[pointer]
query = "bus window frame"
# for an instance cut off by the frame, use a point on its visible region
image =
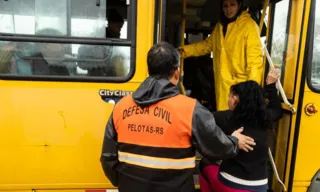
(129, 41)
(309, 55)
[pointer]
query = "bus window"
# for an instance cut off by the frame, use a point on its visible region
(85, 21)
(77, 18)
(279, 35)
(28, 58)
(315, 70)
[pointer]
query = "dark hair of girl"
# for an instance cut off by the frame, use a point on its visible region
(251, 109)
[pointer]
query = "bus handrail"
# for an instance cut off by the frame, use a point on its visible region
(275, 168)
(293, 110)
(279, 86)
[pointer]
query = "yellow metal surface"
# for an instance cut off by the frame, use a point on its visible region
(51, 132)
(160, 20)
(297, 85)
(308, 153)
(299, 189)
(307, 156)
(16, 191)
(293, 47)
(264, 11)
(183, 26)
(269, 24)
(300, 186)
(281, 148)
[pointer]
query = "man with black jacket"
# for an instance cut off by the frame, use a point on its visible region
(152, 135)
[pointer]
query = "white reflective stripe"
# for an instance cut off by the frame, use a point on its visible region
(244, 182)
(156, 162)
(112, 190)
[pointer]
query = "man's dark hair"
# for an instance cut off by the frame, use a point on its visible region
(114, 16)
(163, 60)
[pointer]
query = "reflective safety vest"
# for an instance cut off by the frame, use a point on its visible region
(156, 136)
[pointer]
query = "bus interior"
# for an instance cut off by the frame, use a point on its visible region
(200, 18)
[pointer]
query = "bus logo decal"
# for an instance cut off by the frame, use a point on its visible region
(113, 96)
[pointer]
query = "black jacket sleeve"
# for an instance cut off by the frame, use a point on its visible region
(109, 156)
(274, 109)
(209, 139)
(224, 121)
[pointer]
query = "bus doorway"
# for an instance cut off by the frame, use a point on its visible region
(184, 24)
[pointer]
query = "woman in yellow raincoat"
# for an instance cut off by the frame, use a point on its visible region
(236, 47)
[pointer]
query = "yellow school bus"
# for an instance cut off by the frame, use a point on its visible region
(61, 74)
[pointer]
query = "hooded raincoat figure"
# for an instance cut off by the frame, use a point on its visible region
(236, 47)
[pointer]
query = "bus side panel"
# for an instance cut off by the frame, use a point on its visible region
(51, 136)
(51, 132)
(308, 153)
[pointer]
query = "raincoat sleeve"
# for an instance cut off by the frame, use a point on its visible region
(209, 139)
(109, 157)
(200, 48)
(254, 54)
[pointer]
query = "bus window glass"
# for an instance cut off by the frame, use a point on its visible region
(29, 58)
(65, 18)
(279, 35)
(48, 15)
(315, 72)
(72, 18)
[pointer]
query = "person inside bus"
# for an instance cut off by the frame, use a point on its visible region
(29, 58)
(112, 65)
(248, 108)
(236, 47)
(115, 24)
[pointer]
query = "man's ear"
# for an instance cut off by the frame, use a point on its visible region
(178, 73)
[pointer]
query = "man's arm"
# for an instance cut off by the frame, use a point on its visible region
(210, 140)
(109, 156)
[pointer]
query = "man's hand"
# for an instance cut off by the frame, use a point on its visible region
(244, 142)
(272, 77)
